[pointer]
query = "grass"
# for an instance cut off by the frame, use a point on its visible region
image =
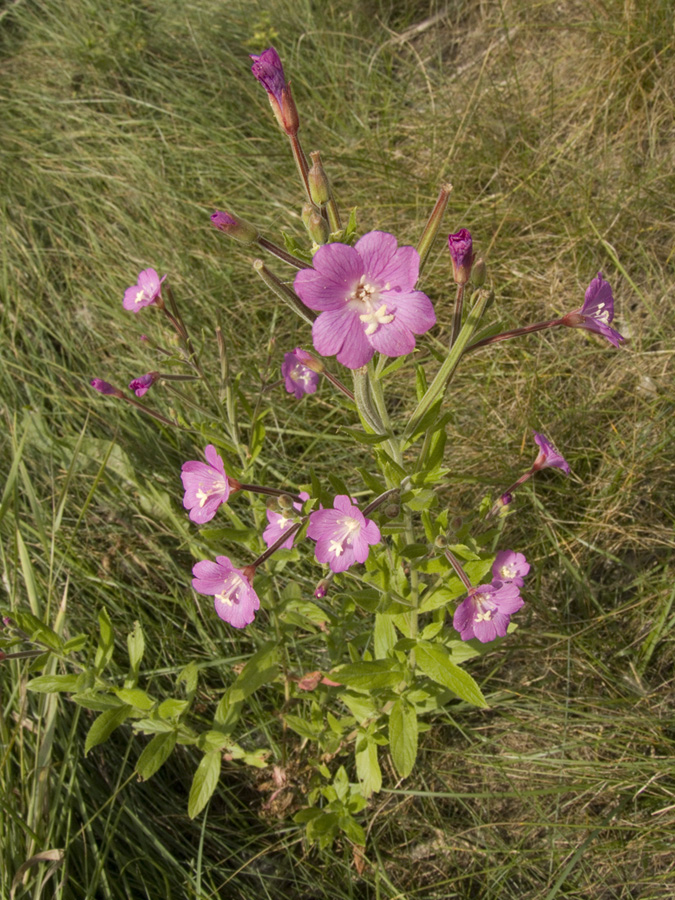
(124, 125)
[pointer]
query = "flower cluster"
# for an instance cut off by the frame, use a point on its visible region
(485, 612)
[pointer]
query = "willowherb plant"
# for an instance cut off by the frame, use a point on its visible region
(399, 607)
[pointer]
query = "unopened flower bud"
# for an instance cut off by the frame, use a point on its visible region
(461, 254)
(392, 510)
(316, 225)
(479, 272)
(239, 229)
(284, 502)
(441, 541)
(319, 186)
(104, 388)
(269, 71)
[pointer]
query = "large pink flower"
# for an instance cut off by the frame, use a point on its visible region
(342, 534)
(367, 299)
(235, 600)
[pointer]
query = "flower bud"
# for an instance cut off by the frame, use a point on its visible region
(461, 253)
(316, 225)
(239, 229)
(104, 388)
(479, 272)
(319, 186)
(284, 502)
(269, 71)
(441, 542)
(392, 510)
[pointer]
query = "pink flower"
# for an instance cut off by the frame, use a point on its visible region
(597, 312)
(279, 523)
(548, 456)
(461, 254)
(146, 292)
(206, 486)
(367, 299)
(485, 612)
(342, 534)
(510, 568)
(234, 598)
(140, 386)
(298, 378)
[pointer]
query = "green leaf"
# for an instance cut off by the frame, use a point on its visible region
(53, 684)
(204, 783)
(170, 708)
(302, 727)
(384, 636)
(363, 437)
(37, 630)
(434, 661)
(106, 640)
(75, 643)
(136, 646)
(368, 675)
(136, 697)
(98, 701)
(353, 830)
(104, 725)
(451, 590)
(403, 736)
(261, 669)
(257, 440)
(155, 754)
(419, 499)
(368, 768)
(189, 677)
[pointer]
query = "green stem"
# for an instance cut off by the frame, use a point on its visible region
(444, 375)
(283, 292)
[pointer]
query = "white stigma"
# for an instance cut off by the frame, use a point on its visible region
(601, 313)
(349, 525)
(369, 296)
(508, 571)
(140, 296)
(218, 487)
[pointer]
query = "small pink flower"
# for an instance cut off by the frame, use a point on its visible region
(367, 299)
(486, 611)
(140, 386)
(145, 293)
(510, 568)
(298, 378)
(279, 524)
(597, 312)
(342, 534)
(548, 455)
(206, 486)
(234, 598)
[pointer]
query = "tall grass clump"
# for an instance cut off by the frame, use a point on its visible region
(124, 125)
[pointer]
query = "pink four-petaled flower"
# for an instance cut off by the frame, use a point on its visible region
(206, 486)
(367, 299)
(146, 292)
(234, 598)
(342, 534)
(510, 567)
(298, 378)
(485, 612)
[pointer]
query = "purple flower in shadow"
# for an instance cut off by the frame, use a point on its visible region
(486, 611)
(297, 377)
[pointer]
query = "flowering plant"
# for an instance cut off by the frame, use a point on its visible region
(401, 597)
